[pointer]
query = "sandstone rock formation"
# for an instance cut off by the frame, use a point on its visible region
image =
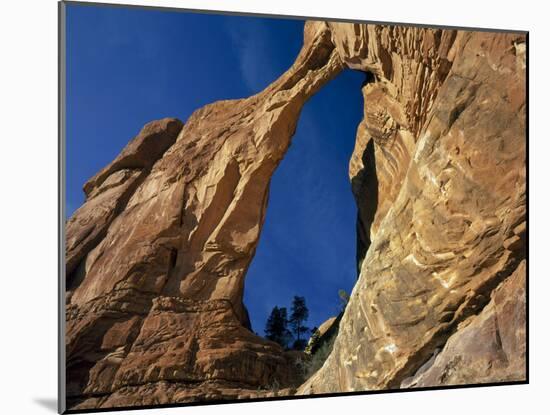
(155, 314)
(108, 192)
(323, 335)
(157, 255)
(439, 175)
(487, 347)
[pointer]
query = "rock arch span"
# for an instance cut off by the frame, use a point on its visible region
(155, 313)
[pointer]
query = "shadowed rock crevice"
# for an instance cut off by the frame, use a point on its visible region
(365, 189)
(446, 230)
(161, 247)
(200, 210)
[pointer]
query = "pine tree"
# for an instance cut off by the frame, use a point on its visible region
(299, 315)
(276, 328)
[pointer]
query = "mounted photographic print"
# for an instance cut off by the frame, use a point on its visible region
(274, 207)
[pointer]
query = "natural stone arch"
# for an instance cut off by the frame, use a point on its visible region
(158, 307)
(200, 211)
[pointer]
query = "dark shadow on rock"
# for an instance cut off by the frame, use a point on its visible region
(365, 190)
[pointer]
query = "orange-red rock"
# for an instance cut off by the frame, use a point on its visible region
(487, 347)
(166, 274)
(108, 192)
(439, 175)
(157, 256)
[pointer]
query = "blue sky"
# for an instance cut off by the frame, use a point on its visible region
(126, 67)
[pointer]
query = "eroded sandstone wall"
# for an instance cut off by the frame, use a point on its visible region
(157, 256)
(154, 308)
(442, 150)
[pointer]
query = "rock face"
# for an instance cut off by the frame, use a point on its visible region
(323, 335)
(439, 175)
(157, 255)
(486, 347)
(108, 192)
(154, 311)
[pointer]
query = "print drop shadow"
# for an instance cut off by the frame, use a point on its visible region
(49, 403)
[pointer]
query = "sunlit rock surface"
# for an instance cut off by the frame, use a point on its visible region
(154, 311)
(157, 255)
(439, 175)
(487, 347)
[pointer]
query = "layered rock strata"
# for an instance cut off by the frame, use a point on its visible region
(439, 175)
(155, 312)
(157, 255)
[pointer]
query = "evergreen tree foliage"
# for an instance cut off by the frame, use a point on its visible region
(299, 315)
(276, 328)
